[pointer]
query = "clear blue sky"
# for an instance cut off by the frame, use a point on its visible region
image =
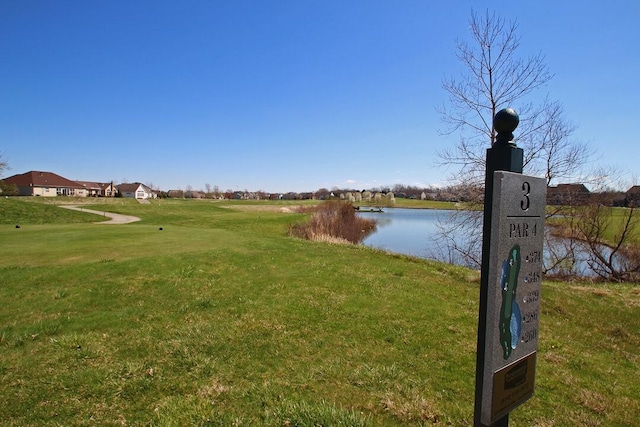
(285, 95)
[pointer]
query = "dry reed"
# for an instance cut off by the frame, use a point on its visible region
(334, 221)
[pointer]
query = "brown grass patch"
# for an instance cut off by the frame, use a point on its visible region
(593, 401)
(414, 408)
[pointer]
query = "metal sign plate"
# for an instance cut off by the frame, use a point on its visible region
(515, 274)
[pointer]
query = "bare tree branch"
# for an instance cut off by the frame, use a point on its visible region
(496, 77)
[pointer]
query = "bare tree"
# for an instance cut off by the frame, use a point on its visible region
(600, 236)
(457, 241)
(614, 258)
(3, 164)
(151, 185)
(6, 189)
(496, 77)
(548, 148)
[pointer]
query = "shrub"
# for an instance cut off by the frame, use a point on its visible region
(8, 189)
(334, 221)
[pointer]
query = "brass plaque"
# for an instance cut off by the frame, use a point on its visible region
(512, 385)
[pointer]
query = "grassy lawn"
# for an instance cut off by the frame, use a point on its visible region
(619, 216)
(31, 210)
(220, 319)
(412, 203)
(617, 220)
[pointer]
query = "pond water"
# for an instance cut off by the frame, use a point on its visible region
(415, 232)
(406, 231)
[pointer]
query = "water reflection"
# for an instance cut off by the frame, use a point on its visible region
(415, 232)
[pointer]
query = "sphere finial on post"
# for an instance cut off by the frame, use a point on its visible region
(505, 122)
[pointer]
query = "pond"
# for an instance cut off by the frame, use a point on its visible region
(415, 232)
(406, 231)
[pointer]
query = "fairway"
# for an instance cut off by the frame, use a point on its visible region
(207, 313)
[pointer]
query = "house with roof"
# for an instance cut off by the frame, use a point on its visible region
(136, 190)
(45, 184)
(632, 196)
(568, 194)
(98, 189)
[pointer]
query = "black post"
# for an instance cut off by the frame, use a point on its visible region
(504, 155)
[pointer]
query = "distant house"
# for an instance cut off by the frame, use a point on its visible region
(568, 194)
(109, 190)
(99, 189)
(45, 184)
(136, 190)
(632, 197)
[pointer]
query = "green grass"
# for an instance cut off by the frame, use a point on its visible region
(30, 210)
(220, 319)
(618, 218)
(411, 203)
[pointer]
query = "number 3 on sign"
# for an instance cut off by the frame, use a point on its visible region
(526, 189)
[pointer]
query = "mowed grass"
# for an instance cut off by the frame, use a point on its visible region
(614, 227)
(619, 218)
(221, 319)
(22, 210)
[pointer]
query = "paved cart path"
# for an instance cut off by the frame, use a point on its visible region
(115, 218)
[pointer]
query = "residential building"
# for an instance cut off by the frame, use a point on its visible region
(568, 194)
(633, 196)
(136, 190)
(99, 189)
(45, 184)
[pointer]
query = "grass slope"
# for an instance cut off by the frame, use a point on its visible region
(219, 319)
(28, 210)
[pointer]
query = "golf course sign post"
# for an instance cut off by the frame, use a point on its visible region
(510, 284)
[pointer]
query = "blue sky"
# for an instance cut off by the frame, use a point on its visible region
(286, 95)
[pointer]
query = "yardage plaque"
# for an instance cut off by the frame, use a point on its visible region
(515, 273)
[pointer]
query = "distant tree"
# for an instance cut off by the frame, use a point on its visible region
(399, 188)
(322, 193)
(8, 189)
(5, 189)
(3, 164)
